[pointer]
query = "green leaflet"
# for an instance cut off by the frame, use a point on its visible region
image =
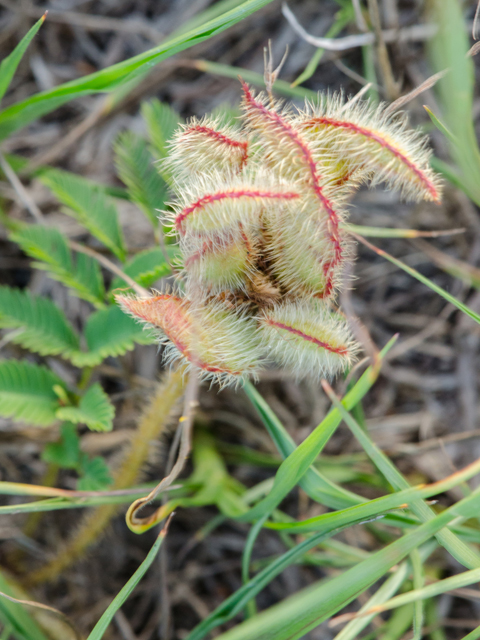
(135, 166)
(161, 121)
(88, 204)
(50, 248)
(147, 267)
(27, 392)
(94, 410)
(41, 325)
(109, 332)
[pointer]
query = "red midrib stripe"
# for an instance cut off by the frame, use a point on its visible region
(367, 133)
(343, 351)
(232, 195)
(332, 215)
(221, 137)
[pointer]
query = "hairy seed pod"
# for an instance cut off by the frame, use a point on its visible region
(216, 201)
(206, 145)
(223, 345)
(368, 140)
(307, 338)
(300, 251)
(222, 260)
(289, 154)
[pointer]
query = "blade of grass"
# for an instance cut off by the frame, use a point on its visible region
(298, 461)
(448, 50)
(473, 635)
(442, 586)
(385, 232)
(238, 600)
(124, 593)
(375, 506)
(459, 550)
(342, 18)
(257, 79)
(297, 615)
(24, 112)
(10, 63)
(313, 482)
(418, 583)
(415, 274)
(391, 585)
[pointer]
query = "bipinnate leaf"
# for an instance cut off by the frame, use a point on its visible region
(88, 204)
(109, 332)
(147, 266)
(161, 121)
(95, 474)
(51, 251)
(41, 325)
(94, 410)
(27, 392)
(136, 168)
(9, 64)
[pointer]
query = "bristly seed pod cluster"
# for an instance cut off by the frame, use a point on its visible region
(260, 220)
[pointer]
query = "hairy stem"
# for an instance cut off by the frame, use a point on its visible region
(151, 425)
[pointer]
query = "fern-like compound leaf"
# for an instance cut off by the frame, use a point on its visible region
(27, 393)
(161, 121)
(147, 267)
(94, 409)
(50, 250)
(40, 325)
(90, 205)
(109, 332)
(135, 166)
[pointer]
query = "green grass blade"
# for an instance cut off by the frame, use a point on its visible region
(342, 18)
(238, 600)
(280, 86)
(391, 585)
(24, 112)
(23, 624)
(104, 622)
(473, 635)
(442, 586)
(421, 278)
(298, 462)
(298, 614)
(418, 582)
(10, 63)
(448, 50)
(313, 482)
(459, 550)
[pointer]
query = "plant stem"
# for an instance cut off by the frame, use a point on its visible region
(151, 425)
